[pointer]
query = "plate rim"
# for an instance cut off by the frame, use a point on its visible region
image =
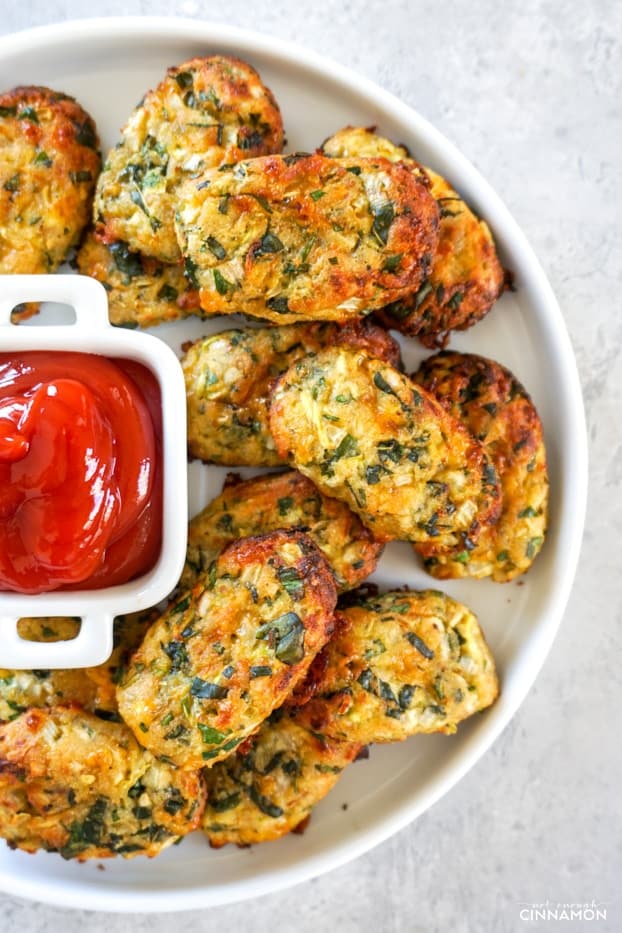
(571, 520)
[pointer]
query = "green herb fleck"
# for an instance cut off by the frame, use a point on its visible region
(217, 249)
(286, 636)
(284, 504)
(264, 804)
(292, 581)
(204, 690)
(533, 546)
(222, 284)
(210, 735)
(420, 645)
(167, 293)
(383, 218)
(392, 263)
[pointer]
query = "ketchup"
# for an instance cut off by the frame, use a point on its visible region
(80, 471)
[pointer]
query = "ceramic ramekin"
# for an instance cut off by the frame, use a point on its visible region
(92, 333)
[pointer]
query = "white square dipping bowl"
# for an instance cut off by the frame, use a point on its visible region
(92, 333)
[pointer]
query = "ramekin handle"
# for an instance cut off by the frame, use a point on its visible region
(91, 646)
(85, 295)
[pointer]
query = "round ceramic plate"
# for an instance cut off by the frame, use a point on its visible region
(108, 65)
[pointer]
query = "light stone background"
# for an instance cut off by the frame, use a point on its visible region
(531, 92)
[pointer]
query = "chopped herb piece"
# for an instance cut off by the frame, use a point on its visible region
(177, 732)
(372, 475)
(222, 284)
(252, 141)
(390, 450)
(136, 790)
(404, 697)
(175, 801)
(268, 244)
(503, 556)
(286, 636)
(263, 202)
(225, 522)
(184, 79)
(348, 447)
(278, 304)
(12, 183)
(284, 504)
(128, 263)
(533, 546)
(392, 263)
(42, 158)
(86, 833)
(264, 804)
(142, 813)
(216, 248)
(205, 690)
(182, 605)
(420, 645)
(316, 195)
(455, 301)
(221, 804)
(190, 271)
(210, 735)
(383, 218)
(529, 512)
(223, 204)
(29, 113)
(308, 247)
(176, 651)
(354, 169)
(167, 293)
(328, 769)
(260, 670)
(292, 582)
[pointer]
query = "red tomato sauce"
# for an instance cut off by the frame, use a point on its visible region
(80, 471)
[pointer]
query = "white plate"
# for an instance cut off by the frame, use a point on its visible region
(108, 65)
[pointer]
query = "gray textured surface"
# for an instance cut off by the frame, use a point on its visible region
(533, 96)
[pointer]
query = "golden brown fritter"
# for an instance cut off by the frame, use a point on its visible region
(72, 784)
(142, 292)
(495, 407)
(305, 237)
(49, 162)
(466, 277)
(225, 655)
(363, 433)
(268, 787)
(399, 664)
(357, 142)
(205, 113)
(93, 688)
(229, 376)
(21, 689)
(281, 500)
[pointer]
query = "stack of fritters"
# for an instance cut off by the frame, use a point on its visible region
(239, 705)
